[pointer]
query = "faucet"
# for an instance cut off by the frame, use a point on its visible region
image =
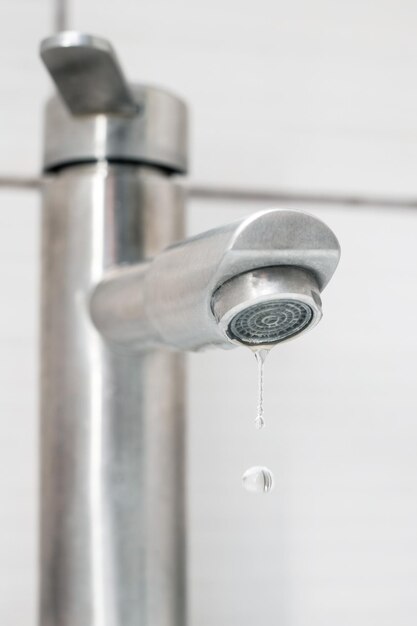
(123, 296)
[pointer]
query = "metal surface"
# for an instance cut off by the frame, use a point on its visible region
(112, 515)
(271, 322)
(149, 129)
(112, 429)
(168, 301)
(61, 11)
(87, 74)
(156, 136)
(267, 306)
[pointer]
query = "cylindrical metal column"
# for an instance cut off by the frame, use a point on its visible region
(112, 420)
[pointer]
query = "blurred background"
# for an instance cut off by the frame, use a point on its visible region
(302, 97)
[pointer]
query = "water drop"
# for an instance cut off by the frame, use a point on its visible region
(260, 356)
(258, 480)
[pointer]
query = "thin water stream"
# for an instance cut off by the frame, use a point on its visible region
(259, 479)
(260, 356)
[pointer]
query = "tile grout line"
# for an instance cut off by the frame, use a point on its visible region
(215, 193)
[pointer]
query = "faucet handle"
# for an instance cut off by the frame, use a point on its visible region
(87, 74)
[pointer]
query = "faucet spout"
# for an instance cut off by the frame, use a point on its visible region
(187, 297)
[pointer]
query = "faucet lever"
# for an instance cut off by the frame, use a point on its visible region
(87, 74)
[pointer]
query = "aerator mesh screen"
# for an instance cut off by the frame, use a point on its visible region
(270, 322)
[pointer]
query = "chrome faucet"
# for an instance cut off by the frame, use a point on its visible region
(123, 296)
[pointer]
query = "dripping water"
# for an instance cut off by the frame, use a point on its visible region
(260, 356)
(259, 479)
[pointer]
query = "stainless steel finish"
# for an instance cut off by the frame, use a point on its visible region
(267, 306)
(112, 523)
(112, 548)
(155, 136)
(61, 11)
(169, 300)
(119, 308)
(148, 125)
(87, 74)
(112, 515)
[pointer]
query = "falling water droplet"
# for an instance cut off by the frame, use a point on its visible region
(258, 480)
(260, 356)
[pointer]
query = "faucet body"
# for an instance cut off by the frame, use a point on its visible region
(173, 300)
(112, 421)
(112, 426)
(123, 295)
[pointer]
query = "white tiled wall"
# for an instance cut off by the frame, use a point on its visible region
(303, 94)
(336, 542)
(309, 96)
